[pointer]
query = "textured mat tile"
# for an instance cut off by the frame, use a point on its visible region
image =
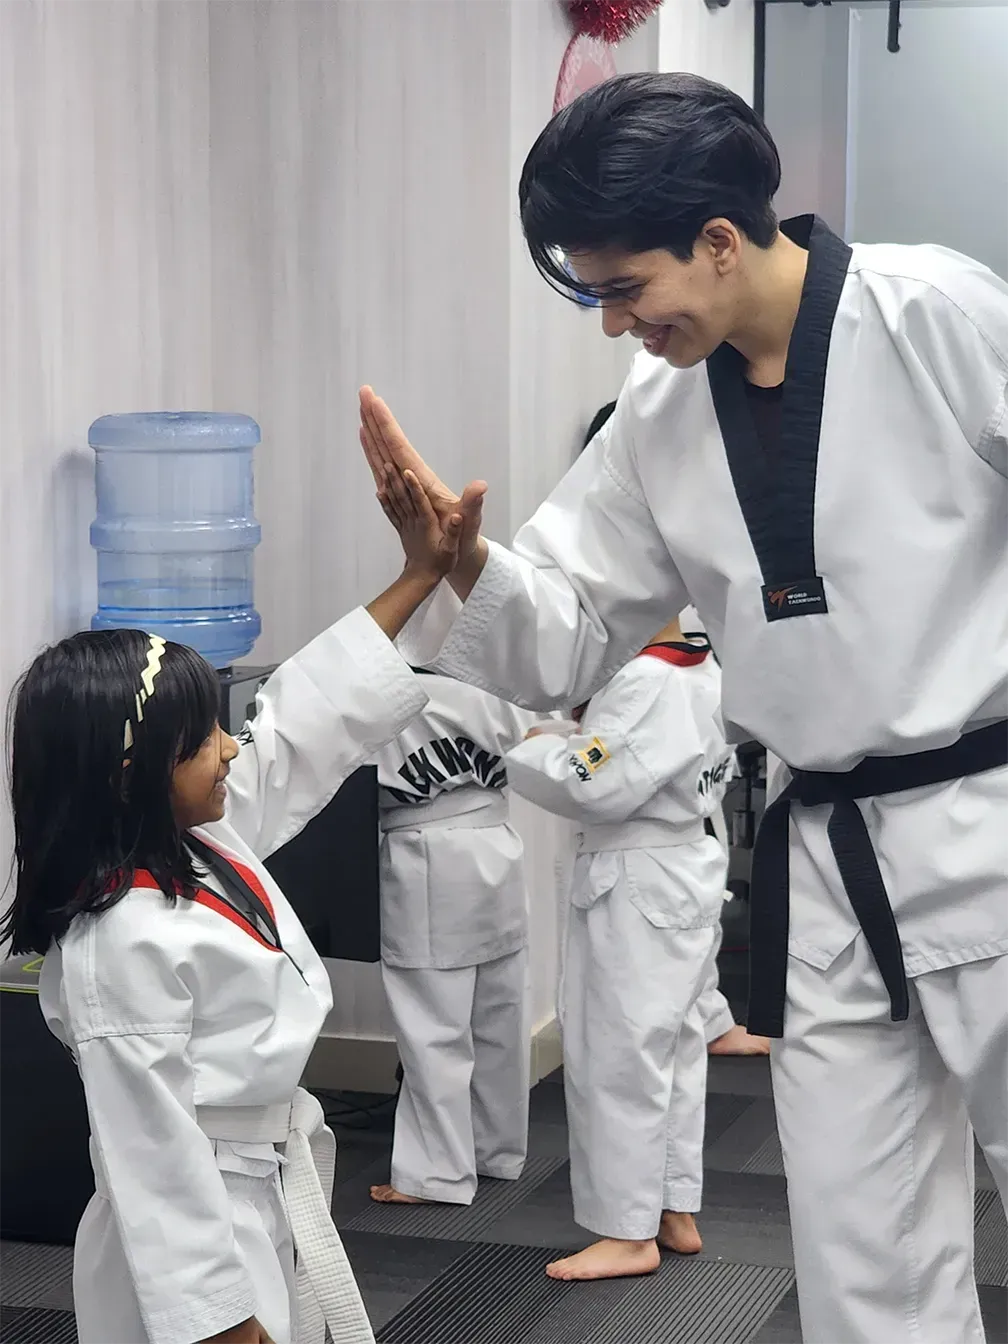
(767, 1160)
(686, 1302)
(357, 1152)
(722, 1111)
(391, 1271)
(991, 1240)
(743, 1077)
(350, 1195)
(491, 1295)
(547, 1103)
(984, 1179)
(695, 1302)
(36, 1325)
(744, 1219)
(548, 1140)
(544, 1218)
(575, 1318)
(784, 1327)
(500, 1295)
(454, 1222)
(745, 1136)
(36, 1276)
(994, 1308)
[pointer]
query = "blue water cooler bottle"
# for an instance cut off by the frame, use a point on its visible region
(175, 529)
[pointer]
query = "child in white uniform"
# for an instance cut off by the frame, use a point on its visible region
(178, 975)
(454, 946)
(644, 770)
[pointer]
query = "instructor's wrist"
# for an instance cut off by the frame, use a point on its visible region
(465, 575)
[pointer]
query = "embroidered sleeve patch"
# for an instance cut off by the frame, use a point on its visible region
(594, 755)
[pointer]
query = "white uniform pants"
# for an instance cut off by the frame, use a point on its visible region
(105, 1301)
(635, 1066)
(464, 1048)
(875, 1123)
(714, 1009)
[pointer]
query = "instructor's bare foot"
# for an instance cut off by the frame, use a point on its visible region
(678, 1232)
(608, 1259)
(388, 1194)
(737, 1041)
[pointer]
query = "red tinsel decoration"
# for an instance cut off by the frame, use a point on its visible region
(610, 20)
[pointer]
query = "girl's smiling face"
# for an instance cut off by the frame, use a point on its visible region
(198, 791)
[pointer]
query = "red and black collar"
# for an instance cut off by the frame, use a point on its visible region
(676, 653)
(245, 876)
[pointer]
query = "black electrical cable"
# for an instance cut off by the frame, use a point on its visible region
(339, 1107)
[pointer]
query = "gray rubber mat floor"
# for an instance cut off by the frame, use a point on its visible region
(475, 1276)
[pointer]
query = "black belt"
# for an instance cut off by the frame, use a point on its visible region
(875, 776)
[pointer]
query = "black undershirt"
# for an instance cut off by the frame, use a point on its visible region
(765, 408)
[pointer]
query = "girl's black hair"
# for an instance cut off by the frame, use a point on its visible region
(87, 811)
(600, 418)
(644, 162)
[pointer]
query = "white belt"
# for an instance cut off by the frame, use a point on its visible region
(647, 833)
(327, 1292)
(449, 811)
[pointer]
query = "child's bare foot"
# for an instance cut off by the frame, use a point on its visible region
(388, 1194)
(737, 1041)
(608, 1259)
(678, 1232)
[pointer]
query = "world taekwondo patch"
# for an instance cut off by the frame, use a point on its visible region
(783, 601)
(594, 755)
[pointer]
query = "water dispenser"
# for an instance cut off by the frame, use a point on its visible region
(175, 529)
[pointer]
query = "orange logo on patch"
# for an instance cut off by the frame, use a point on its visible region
(779, 594)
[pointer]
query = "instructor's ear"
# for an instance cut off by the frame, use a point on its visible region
(723, 244)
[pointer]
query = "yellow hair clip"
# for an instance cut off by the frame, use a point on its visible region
(147, 677)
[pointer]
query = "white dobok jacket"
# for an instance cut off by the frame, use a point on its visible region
(646, 767)
(452, 883)
(853, 587)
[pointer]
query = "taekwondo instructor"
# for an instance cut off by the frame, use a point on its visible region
(812, 450)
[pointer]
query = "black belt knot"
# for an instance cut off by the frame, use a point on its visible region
(984, 749)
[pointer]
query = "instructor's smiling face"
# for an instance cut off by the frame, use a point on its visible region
(681, 310)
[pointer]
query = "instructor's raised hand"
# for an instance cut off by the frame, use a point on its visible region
(388, 450)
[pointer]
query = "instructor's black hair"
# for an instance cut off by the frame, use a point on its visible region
(87, 811)
(643, 162)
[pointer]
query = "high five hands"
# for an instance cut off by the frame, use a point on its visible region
(405, 485)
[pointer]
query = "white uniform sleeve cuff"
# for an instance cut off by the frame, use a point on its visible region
(453, 633)
(211, 1315)
(391, 696)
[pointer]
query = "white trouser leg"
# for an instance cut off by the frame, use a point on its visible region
(500, 1081)
(879, 1159)
(628, 985)
(717, 1016)
(433, 1155)
(682, 1190)
(966, 1008)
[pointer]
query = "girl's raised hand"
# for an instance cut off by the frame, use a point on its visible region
(430, 541)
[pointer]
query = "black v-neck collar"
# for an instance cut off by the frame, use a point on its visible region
(778, 499)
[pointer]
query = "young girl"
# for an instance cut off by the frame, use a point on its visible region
(454, 946)
(642, 773)
(176, 972)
